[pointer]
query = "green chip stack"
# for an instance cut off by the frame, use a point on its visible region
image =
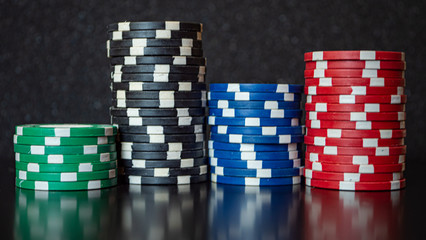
(65, 156)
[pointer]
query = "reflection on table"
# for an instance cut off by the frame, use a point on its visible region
(331, 214)
(163, 212)
(64, 215)
(239, 212)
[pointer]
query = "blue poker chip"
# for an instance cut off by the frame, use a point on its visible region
(240, 138)
(254, 164)
(248, 96)
(257, 173)
(260, 113)
(267, 131)
(254, 155)
(253, 122)
(253, 87)
(251, 181)
(253, 104)
(247, 147)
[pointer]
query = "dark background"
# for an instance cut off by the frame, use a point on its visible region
(54, 69)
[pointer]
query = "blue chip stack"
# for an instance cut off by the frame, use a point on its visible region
(255, 133)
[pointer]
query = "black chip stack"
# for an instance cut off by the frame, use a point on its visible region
(159, 99)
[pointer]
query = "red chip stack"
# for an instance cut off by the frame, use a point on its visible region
(355, 120)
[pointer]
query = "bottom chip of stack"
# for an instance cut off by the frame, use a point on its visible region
(255, 134)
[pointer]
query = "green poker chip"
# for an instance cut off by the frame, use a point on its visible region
(66, 130)
(66, 159)
(66, 176)
(64, 186)
(46, 150)
(62, 141)
(54, 168)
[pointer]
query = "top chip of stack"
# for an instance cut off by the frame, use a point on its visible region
(355, 119)
(65, 156)
(159, 97)
(255, 133)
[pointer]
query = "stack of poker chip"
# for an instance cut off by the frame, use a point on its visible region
(159, 101)
(65, 156)
(355, 113)
(255, 133)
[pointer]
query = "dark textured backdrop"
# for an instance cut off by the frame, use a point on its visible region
(54, 67)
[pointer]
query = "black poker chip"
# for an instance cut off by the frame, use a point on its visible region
(184, 163)
(199, 128)
(155, 51)
(156, 34)
(146, 42)
(156, 147)
(155, 121)
(171, 25)
(193, 103)
(153, 112)
(186, 179)
(158, 95)
(158, 138)
(142, 86)
(157, 77)
(159, 68)
(162, 155)
(164, 172)
(171, 60)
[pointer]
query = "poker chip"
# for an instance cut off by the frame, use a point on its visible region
(66, 130)
(330, 167)
(344, 133)
(253, 122)
(170, 25)
(348, 64)
(354, 159)
(160, 95)
(253, 104)
(254, 164)
(274, 113)
(253, 181)
(66, 186)
(158, 101)
(66, 176)
(353, 142)
(254, 133)
(353, 177)
(355, 119)
(65, 159)
(62, 141)
(178, 180)
(169, 60)
(181, 163)
(356, 186)
(46, 150)
(175, 79)
(366, 107)
(347, 82)
(77, 167)
(164, 112)
(267, 130)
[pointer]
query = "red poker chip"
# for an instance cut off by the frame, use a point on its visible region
(363, 73)
(330, 167)
(360, 64)
(368, 82)
(354, 90)
(353, 142)
(356, 186)
(344, 133)
(355, 125)
(356, 116)
(353, 99)
(355, 159)
(362, 107)
(374, 151)
(354, 55)
(353, 177)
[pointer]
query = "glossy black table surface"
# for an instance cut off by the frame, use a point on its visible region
(212, 211)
